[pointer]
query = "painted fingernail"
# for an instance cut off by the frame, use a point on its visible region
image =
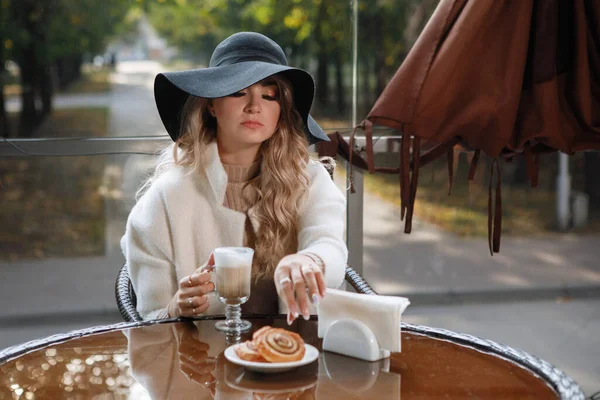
(315, 299)
(289, 319)
(306, 316)
(296, 314)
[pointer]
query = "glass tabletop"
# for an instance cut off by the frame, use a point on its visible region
(185, 360)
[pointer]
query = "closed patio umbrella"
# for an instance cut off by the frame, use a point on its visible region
(502, 77)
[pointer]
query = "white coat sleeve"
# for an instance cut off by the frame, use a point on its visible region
(148, 250)
(322, 226)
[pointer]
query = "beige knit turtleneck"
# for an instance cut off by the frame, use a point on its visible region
(240, 196)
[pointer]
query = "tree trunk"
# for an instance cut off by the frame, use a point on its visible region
(379, 67)
(77, 66)
(45, 78)
(29, 115)
(322, 78)
(28, 65)
(519, 177)
(4, 124)
(73, 69)
(591, 181)
(68, 70)
(46, 89)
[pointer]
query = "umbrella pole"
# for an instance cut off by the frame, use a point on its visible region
(355, 201)
(563, 192)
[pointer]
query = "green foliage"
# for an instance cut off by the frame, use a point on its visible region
(59, 28)
(196, 26)
(305, 29)
(79, 26)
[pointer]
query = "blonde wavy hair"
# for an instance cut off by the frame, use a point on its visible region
(283, 181)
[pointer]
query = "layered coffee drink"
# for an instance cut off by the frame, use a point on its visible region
(233, 283)
(233, 270)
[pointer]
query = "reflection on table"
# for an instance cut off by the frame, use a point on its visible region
(184, 360)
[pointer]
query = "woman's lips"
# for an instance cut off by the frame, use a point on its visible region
(252, 124)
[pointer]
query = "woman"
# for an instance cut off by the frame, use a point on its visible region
(237, 174)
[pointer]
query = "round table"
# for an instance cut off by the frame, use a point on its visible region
(183, 359)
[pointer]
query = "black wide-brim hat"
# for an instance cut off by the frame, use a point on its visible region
(239, 61)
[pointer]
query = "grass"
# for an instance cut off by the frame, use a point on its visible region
(75, 122)
(525, 211)
(179, 65)
(51, 206)
(12, 90)
(92, 81)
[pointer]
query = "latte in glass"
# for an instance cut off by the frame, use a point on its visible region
(233, 270)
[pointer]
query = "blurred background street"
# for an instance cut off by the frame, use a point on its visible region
(59, 261)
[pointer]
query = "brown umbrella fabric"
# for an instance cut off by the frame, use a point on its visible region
(502, 77)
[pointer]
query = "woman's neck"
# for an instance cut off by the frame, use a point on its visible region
(238, 156)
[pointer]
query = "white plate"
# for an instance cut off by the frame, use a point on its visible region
(310, 355)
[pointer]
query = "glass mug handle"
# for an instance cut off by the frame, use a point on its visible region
(208, 268)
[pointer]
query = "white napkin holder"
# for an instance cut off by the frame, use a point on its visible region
(353, 338)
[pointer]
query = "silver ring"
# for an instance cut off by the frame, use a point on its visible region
(190, 301)
(284, 280)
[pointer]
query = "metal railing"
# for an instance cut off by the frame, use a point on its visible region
(150, 145)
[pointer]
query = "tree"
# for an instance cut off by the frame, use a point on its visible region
(315, 34)
(6, 29)
(48, 38)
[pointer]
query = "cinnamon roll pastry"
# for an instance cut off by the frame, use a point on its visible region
(247, 351)
(280, 345)
(260, 332)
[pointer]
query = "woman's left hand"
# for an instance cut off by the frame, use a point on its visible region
(296, 278)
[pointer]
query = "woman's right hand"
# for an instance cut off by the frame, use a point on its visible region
(194, 361)
(191, 298)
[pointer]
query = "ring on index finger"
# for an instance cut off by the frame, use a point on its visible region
(285, 280)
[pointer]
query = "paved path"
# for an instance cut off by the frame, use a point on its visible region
(432, 265)
(67, 101)
(132, 113)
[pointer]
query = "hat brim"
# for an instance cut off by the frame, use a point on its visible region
(171, 90)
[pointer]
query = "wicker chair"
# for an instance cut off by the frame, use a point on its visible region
(127, 300)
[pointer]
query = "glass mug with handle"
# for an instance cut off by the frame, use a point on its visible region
(233, 271)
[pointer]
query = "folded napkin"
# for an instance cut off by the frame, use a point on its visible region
(382, 314)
